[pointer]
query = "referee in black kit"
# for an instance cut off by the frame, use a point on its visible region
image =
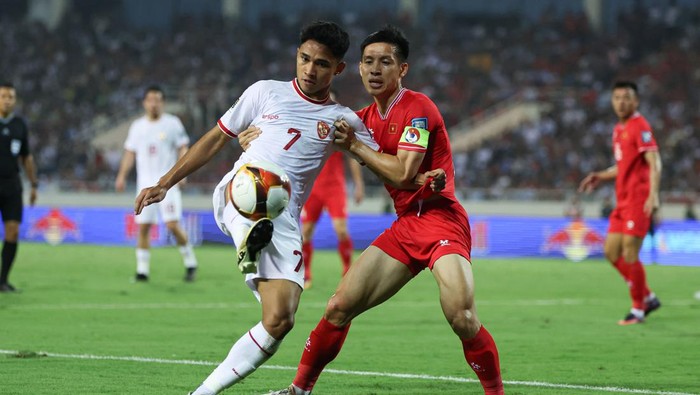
(14, 148)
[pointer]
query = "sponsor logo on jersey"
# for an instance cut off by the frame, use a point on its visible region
(646, 136)
(412, 135)
(444, 243)
(420, 123)
(323, 129)
(5, 132)
(271, 116)
(161, 136)
(236, 102)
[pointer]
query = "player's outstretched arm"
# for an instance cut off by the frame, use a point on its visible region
(125, 166)
(197, 156)
(398, 170)
(592, 180)
(652, 202)
(30, 171)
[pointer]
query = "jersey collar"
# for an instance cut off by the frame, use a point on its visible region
(383, 117)
(305, 97)
(8, 118)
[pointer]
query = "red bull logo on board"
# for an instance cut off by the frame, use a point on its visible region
(576, 241)
(55, 227)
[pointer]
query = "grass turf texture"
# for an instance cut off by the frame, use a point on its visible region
(554, 323)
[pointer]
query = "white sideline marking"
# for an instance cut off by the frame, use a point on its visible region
(248, 305)
(362, 373)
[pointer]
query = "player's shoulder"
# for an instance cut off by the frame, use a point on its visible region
(641, 122)
(264, 85)
(139, 122)
(414, 100)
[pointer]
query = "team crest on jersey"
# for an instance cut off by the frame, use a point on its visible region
(323, 129)
(412, 135)
(420, 123)
(646, 136)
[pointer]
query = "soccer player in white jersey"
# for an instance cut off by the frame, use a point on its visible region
(298, 118)
(155, 142)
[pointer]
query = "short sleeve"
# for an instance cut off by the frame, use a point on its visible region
(24, 148)
(181, 137)
(645, 138)
(243, 111)
(130, 143)
(421, 118)
(361, 131)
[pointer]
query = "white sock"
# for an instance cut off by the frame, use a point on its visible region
(299, 391)
(249, 352)
(188, 257)
(143, 261)
(637, 313)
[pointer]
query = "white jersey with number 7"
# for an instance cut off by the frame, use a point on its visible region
(297, 134)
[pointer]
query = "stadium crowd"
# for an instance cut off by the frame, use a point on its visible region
(88, 75)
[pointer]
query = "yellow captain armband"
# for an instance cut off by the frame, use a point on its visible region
(414, 139)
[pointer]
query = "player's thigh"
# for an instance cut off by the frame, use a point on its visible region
(170, 207)
(340, 226)
(279, 300)
(631, 245)
(453, 274)
(371, 280)
(613, 246)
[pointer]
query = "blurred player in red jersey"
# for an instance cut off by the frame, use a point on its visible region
(637, 174)
(432, 228)
(329, 192)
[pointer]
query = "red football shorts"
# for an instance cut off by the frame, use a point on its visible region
(629, 220)
(333, 200)
(417, 241)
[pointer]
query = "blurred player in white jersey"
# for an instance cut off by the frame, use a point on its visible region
(155, 142)
(298, 118)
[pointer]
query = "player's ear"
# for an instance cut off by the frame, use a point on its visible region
(339, 68)
(404, 70)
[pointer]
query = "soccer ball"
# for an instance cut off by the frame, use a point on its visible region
(259, 189)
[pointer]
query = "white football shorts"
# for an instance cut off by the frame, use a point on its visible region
(170, 209)
(281, 259)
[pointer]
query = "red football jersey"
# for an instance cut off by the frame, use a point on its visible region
(333, 173)
(408, 112)
(630, 141)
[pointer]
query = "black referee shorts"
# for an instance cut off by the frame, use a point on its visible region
(11, 200)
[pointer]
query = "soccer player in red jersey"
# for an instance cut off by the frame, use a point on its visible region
(432, 228)
(637, 174)
(329, 192)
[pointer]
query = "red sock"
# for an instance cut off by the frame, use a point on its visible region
(323, 345)
(638, 289)
(622, 268)
(345, 251)
(482, 355)
(307, 250)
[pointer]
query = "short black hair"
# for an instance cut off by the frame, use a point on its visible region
(329, 34)
(153, 88)
(626, 85)
(391, 35)
(7, 84)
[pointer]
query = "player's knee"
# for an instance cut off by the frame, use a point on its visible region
(11, 233)
(338, 311)
(278, 325)
(464, 323)
(611, 254)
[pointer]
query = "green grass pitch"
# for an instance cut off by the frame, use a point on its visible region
(82, 327)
